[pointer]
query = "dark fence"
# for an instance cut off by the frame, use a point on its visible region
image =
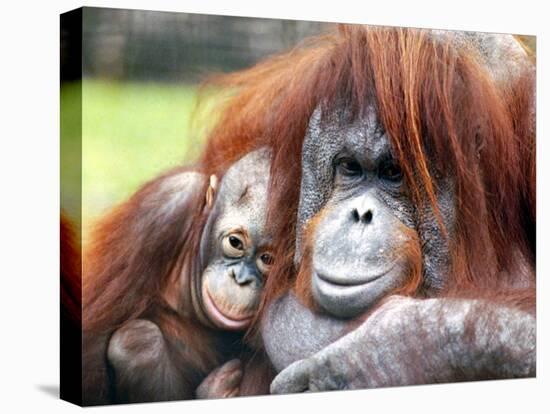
(149, 45)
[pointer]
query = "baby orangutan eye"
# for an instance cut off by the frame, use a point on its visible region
(233, 245)
(264, 262)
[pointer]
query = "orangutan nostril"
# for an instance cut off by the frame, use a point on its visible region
(244, 282)
(367, 217)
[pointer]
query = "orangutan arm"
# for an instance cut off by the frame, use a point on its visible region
(143, 369)
(413, 341)
(223, 382)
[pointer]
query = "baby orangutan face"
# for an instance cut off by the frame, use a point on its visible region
(236, 244)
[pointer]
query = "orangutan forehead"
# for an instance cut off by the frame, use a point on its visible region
(362, 137)
(242, 199)
(365, 140)
(247, 179)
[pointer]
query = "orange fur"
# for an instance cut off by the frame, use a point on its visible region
(444, 114)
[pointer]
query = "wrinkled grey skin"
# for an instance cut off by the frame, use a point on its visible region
(292, 332)
(354, 260)
(404, 341)
(138, 352)
(411, 341)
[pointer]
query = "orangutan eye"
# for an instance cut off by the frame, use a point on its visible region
(266, 258)
(264, 262)
(235, 242)
(391, 172)
(348, 166)
(233, 245)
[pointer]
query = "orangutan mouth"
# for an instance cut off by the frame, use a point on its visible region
(222, 319)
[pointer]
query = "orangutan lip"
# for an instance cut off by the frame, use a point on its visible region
(349, 283)
(222, 316)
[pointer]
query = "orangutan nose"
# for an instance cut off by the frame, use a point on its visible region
(244, 275)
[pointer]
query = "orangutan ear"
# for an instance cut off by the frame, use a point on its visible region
(211, 191)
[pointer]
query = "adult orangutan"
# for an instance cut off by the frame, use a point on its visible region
(172, 279)
(403, 162)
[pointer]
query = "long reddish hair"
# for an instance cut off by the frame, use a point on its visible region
(445, 114)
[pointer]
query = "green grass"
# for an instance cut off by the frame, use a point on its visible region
(131, 132)
(71, 150)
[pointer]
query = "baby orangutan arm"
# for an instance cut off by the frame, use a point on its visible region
(143, 369)
(223, 382)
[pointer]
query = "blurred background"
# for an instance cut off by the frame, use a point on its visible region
(141, 70)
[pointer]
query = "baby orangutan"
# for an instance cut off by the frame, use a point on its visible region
(212, 255)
